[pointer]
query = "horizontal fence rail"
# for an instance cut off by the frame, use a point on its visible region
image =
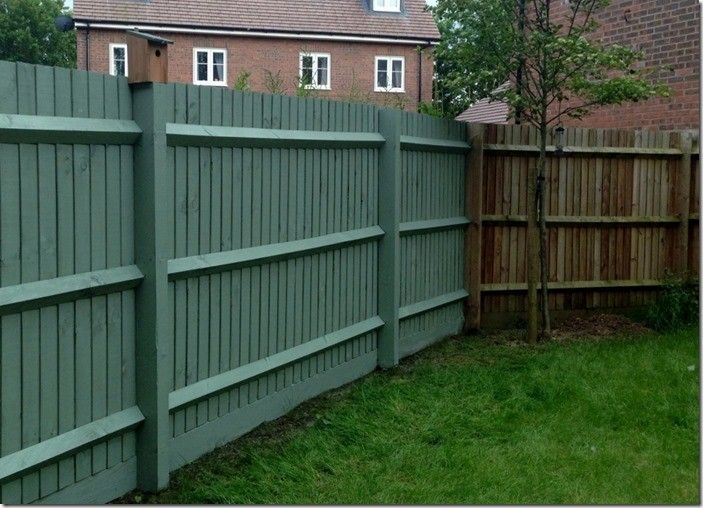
(421, 144)
(619, 151)
(221, 382)
(51, 450)
(573, 285)
(249, 137)
(221, 261)
(34, 295)
(67, 130)
(584, 220)
(432, 303)
(416, 227)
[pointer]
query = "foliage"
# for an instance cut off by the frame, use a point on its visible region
(430, 108)
(480, 422)
(483, 46)
(549, 53)
(677, 306)
(395, 100)
(302, 87)
(241, 84)
(357, 93)
(28, 33)
(466, 59)
(274, 82)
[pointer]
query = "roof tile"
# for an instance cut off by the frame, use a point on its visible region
(339, 17)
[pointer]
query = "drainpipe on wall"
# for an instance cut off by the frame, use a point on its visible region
(420, 53)
(87, 46)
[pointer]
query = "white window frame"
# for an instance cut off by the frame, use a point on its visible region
(315, 56)
(389, 75)
(209, 81)
(112, 58)
(386, 5)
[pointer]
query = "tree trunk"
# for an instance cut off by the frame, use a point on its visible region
(543, 253)
(532, 256)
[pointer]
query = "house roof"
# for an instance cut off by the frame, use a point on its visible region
(486, 111)
(339, 17)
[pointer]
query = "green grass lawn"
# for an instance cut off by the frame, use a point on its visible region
(474, 421)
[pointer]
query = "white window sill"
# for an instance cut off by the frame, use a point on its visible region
(389, 90)
(315, 87)
(210, 83)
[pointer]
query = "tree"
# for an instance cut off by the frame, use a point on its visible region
(545, 48)
(28, 33)
(471, 30)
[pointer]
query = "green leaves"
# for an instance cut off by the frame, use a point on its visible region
(549, 53)
(28, 33)
(474, 35)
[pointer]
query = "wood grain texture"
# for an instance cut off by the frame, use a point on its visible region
(620, 211)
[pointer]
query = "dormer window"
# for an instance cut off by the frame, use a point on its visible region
(386, 5)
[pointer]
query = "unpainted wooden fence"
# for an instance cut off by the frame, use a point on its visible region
(622, 211)
(179, 264)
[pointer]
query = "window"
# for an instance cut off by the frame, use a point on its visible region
(210, 67)
(315, 70)
(118, 59)
(386, 5)
(390, 74)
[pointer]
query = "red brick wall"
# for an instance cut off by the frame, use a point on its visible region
(667, 31)
(352, 63)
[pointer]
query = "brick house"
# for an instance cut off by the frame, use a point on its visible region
(668, 32)
(367, 50)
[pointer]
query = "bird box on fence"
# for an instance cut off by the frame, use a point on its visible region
(147, 57)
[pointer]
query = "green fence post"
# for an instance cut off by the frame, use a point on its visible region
(151, 302)
(389, 122)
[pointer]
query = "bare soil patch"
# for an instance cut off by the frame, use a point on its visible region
(599, 326)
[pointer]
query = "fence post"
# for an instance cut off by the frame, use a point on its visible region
(473, 202)
(683, 201)
(151, 302)
(389, 122)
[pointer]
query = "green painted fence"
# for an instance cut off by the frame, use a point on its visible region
(67, 286)
(179, 264)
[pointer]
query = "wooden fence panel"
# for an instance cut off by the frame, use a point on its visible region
(273, 263)
(613, 213)
(66, 286)
(432, 230)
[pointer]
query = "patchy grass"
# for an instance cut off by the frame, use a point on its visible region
(477, 420)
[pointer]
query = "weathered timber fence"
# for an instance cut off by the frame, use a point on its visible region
(179, 264)
(622, 210)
